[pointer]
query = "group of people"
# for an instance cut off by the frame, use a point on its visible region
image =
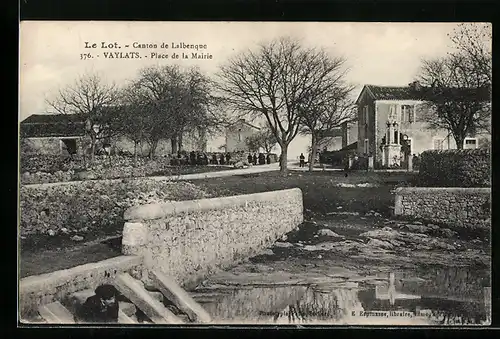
(200, 158)
(261, 159)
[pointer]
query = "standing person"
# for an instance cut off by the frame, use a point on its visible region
(302, 160)
(228, 158)
(205, 159)
(254, 159)
(262, 159)
(222, 162)
(268, 159)
(249, 159)
(214, 159)
(101, 307)
(192, 158)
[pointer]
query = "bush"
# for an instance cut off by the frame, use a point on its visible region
(91, 204)
(455, 168)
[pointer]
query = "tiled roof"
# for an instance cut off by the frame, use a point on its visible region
(408, 93)
(392, 93)
(52, 125)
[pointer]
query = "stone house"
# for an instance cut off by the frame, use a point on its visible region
(391, 116)
(340, 137)
(236, 135)
(65, 133)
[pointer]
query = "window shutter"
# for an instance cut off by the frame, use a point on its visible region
(411, 114)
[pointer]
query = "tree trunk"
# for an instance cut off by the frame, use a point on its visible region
(173, 142)
(459, 140)
(313, 153)
(135, 153)
(179, 141)
(283, 158)
(93, 141)
(152, 150)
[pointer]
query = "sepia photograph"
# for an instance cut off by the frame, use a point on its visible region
(257, 173)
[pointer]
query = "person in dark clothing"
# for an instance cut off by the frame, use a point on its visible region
(249, 159)
(199, 159)
(268, 159)
(302, 160)
(222, 161)
(254, 159)
(192, 158)
(262, 159)
(228, 158)
(205, 159)
(214, 159)
(101, 307)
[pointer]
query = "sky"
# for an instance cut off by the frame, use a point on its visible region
(376, 53)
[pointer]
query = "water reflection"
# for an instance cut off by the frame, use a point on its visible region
(400, 299)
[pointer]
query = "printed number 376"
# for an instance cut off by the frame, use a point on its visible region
(85, 56)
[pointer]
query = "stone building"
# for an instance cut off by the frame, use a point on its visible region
(236, 135)
(65, 133)
(340, 137)
(389, 117)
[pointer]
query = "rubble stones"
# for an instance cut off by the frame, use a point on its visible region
(282, 244)
(329, 233)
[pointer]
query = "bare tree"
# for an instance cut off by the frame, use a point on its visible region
(178, 101)
(473, 42)
(264, 138)
(135, 116)
(275, 82)
(91, 98)
(457, 88)
(326, 113)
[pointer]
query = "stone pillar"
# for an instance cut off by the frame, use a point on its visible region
(391, 134)
(390, 152)
(135, 236)
(410, 162)
(370, 162)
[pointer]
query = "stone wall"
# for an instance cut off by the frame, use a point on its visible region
(460, 207)
(189, 240)
(45, 288)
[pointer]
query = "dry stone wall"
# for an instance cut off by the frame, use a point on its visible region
(189, 240)
(460, 207)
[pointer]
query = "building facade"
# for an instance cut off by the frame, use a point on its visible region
(64, 134)
(391, 126)
(236, 135)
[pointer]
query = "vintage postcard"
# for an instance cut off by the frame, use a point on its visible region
(255, 173)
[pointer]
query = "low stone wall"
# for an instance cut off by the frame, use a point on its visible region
(42, 289)
(189, 240)
(460, 207)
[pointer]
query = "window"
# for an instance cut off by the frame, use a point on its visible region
(407, 113)
(366, 146)
(239, 134)
(438, 143)
(470, 143)
(69, 145)
(365, 112)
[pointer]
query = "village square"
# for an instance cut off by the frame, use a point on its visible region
(288, 182)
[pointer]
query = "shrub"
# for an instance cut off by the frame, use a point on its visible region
(455, 168)
(92, 204)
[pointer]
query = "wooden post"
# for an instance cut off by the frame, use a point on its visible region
(410, 163)
(173, 292)
(55, 313)
(136, 293)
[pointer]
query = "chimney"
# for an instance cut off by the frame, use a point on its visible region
(415, 85)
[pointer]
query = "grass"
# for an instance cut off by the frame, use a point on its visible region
(320, 190)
